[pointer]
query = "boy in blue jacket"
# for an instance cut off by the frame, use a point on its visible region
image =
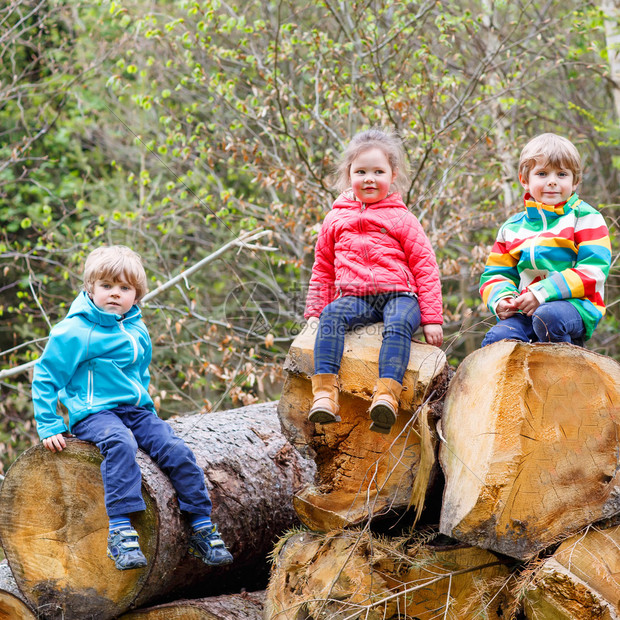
(97, 363)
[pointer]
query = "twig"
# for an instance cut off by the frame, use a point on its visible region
(241, 241)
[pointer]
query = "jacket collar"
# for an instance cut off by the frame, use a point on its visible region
(535, 209)
(348, 200)
(84, 306)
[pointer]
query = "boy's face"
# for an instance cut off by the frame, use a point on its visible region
(548, 184)
(113, 296)
(371, 176)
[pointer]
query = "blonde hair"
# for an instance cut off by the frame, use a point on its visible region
(549, 149)
(115, 263)
(388, 142)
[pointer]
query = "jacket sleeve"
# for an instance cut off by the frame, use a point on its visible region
(586, 278)
(322, 288)
(53, 370)
(145, 375)
(423, 265)
(500, 277)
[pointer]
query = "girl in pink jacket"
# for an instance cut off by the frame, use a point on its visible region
(373, 263)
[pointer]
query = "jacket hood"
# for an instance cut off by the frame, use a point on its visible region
(348, 200)
(84, 306)
(534, 209)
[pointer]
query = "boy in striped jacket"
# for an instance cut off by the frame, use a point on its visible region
(545, 276)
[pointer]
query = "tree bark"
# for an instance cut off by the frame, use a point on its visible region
(359, 473)
(13, 605)
(581, 579)
(611, 11)
(244, 606)
(531, 446)
(350, 574)
(54, 527)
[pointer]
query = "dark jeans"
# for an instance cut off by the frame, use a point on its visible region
(118, 433)
(400, 314)
(555, 321)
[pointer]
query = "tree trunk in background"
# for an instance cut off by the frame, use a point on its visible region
(611, 9)
(54, 526)
(13, 605)
(581, 579)
(353, 575)
(500, 129)
(246, 606)
(531, 446)
(359, 473)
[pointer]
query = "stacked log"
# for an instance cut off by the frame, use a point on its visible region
(580, 580)
(351, 574)
(359, 472)
(12, 603)
(53, 523)
(243, 606)
(529, 445)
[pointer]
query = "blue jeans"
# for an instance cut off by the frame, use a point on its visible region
(400, 314)
(555, 321)
(118, 433)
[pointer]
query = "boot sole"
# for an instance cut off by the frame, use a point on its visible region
(383, 418)
(322, 416)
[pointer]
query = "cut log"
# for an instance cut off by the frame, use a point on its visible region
(13, 605)
(245, 606)
(359, 472)
(53, 523)
(531, 445)
(351, 575)
(581, 580)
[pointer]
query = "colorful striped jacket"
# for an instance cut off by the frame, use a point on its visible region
(559, 252)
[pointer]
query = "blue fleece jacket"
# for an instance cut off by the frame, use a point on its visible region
(94, 360)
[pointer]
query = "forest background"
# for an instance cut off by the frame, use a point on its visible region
(175, 127)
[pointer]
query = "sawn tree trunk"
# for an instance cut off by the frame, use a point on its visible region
(360, 474)
(53, 523)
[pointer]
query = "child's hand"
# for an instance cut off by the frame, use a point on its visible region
(527, 303)
(506, 308)
(313, 323)
(433, 334)
(55, 443)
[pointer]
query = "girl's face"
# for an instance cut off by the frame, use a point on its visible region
(113, 296)
(371, 176)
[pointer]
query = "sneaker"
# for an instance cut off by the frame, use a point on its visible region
(207, 544)
(124, 549)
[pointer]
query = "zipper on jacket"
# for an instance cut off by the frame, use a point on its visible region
(90, 388)
(134, 344)
(366, 260)
(544, 229)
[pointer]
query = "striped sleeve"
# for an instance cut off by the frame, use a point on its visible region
(586, 278)
(500, 277)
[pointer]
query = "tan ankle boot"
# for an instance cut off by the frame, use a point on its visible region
(325, 404)
(384, 406)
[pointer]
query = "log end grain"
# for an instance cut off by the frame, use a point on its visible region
(360, 474)
(531, 438)
(54, 531)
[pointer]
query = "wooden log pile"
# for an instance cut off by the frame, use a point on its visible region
(13, 605)
(53, 523)
(527, 502)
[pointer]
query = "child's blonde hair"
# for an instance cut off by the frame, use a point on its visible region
(389, 143)
(549, 149)
(115, 263)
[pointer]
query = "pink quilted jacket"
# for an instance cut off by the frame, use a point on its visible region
(371, 249)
